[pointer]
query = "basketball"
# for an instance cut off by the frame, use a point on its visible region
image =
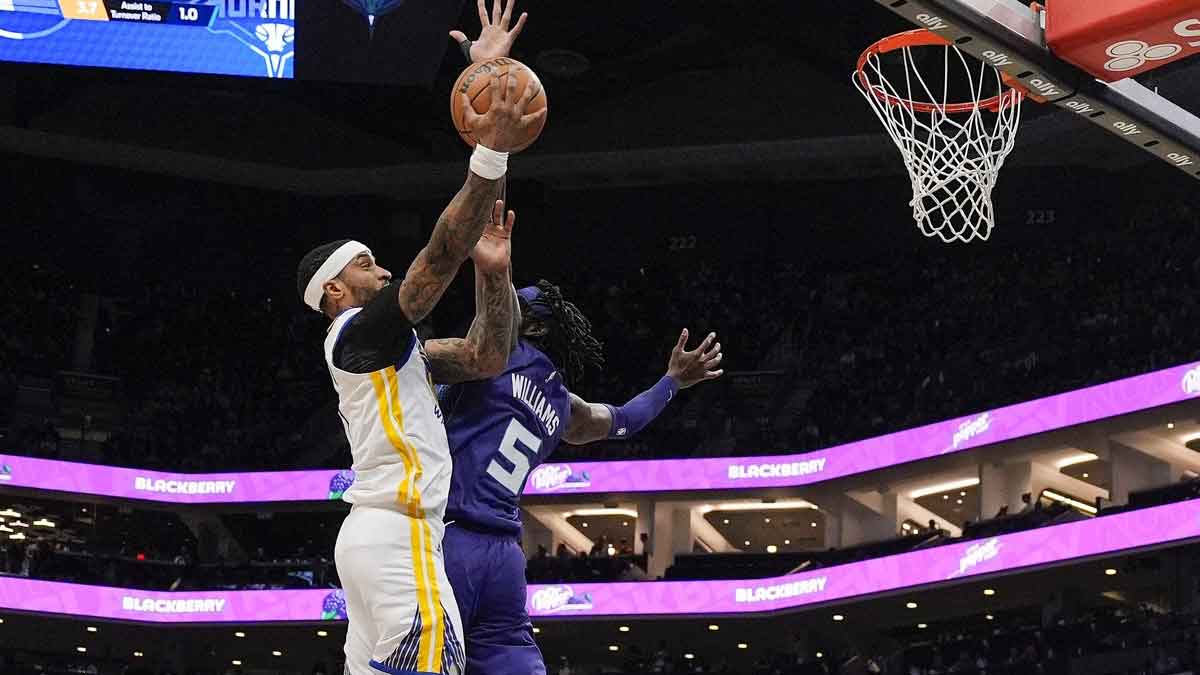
(474, 83)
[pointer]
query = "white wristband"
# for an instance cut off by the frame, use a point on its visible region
(487, 163)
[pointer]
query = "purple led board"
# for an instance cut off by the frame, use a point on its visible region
(1015, 421)
(179, 488)
(1109, 534)
(1023, 419)
(1134, 529)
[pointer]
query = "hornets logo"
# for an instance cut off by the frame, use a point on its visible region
(266, 27)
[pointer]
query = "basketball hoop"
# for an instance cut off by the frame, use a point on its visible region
(953, 151)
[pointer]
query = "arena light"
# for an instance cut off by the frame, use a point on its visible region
(239, 634)
(44, 523)
(536, 630)
(781, 505)
(19, 523)
(989, 617)
(772, 548)
(614, 648)
(747, 542)
(943, 487)
(713, 626)
(1170, 425)
(322, 633)
(1063, 499)
(989, 591)
(138, 654)
(743, 645)
(1110, 572)
(81, 649)
(922, 625)
(92, 629)
(787, 542)
(1076, 459)
(18, 536)
(276, 653)
(689, 656)
(9, 513)
(629, 513)
(820, 655)
(911, 605)
(236, 662)
(623, 629)
(838, 617)
(5, 528)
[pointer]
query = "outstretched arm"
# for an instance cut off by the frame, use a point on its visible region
(483, 353)
(456, 233)
(461, 224)
(495, 37)
(591, 422)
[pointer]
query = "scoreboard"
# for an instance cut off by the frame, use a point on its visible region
(400, 41)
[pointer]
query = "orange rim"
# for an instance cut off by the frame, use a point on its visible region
(923, 37)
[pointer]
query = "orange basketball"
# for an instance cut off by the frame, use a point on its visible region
(474, 83)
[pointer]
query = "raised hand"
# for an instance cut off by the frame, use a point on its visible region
(495, 39)
(493, 253)
(504, 126)
(691, 367)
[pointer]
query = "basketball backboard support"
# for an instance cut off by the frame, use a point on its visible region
(1011, 36)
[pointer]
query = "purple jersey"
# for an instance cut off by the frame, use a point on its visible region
(500, 430)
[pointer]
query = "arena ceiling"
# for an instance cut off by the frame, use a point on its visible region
(771, 84)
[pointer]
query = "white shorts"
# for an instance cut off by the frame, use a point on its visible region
(403, 617)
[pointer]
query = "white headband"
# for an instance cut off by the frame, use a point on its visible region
(329, 270)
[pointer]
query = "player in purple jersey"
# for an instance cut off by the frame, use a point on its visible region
(500, 430)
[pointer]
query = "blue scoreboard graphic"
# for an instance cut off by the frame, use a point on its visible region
(223, 37)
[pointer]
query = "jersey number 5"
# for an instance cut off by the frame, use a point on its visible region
(516, 433)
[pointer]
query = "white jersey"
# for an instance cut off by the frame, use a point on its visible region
(397, 438)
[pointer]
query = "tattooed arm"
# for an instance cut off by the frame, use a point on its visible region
(456, 233)
(484, 352)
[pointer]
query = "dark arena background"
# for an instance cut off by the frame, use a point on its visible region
(921, 458)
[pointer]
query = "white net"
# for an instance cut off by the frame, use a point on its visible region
(953, 152)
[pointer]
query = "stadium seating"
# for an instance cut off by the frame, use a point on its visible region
(248, 391)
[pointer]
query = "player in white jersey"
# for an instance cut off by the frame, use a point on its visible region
(402, 614)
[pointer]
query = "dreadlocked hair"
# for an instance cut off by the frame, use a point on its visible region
(568, 340)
